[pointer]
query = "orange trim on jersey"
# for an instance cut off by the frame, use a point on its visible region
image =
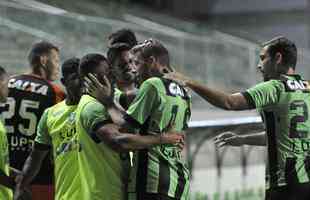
(59, 93)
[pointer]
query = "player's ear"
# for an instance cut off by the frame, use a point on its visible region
(151, 60)
(62, 80)
(43, 60)
(165, 70)
(278, 58)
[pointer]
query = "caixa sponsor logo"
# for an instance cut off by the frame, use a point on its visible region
(297, 85)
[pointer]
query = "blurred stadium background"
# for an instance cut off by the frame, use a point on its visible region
(214, 41)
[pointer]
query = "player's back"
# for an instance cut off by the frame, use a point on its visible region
(61, 128)
(160, 106)
(288, 131)
(29, 95)
(101, 168)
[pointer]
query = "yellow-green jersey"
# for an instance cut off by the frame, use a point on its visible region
(57, 129)
(160, 106)
(100, 167)
(5, 193)
(285, 106)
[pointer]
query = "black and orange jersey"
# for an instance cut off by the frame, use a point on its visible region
(29, 95)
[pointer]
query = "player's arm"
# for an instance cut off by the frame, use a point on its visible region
(14, 172)
(34, 161)
(233, 139)
(104, 93)
(6, 180)
(31, 167)
(97, 123)
(235, 101)
(120, 141)
(9, 181)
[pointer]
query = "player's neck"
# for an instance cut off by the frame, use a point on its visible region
(125, 86)
(39, 72)
(72, 99)
(290, 71)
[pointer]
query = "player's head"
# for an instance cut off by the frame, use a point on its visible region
(277, 56)
(44, 58)
(70, 76)
(4, 91)
(94, 63)
(120, 42)
(151, 59)
(125, 36)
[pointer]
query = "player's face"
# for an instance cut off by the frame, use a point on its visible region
(53, 65)
(4, 91)
(122, 70)
(137, 62)
(266, 65)
(102, 70)
(73, 84)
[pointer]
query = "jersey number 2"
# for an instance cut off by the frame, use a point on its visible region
(24, 114)
(174, 112)
(294, 133)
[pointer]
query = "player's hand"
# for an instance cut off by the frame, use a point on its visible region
(228, 139)
(14, 173)
(173, 138)
(177, 77)
(101, 90)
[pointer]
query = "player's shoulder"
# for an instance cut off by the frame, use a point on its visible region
(152, 81)
(273, 83)
(89, 104)
(59, 106)
(29, 77)
(156, 82)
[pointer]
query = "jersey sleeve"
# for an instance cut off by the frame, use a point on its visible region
(43, 136)
(143, 105)
(94, 115)
(264, 94)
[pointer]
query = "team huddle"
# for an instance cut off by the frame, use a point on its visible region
(118, 131)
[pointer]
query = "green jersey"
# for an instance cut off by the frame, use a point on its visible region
(101, 169)
(161, 105)
(5, 193)
(57, 128)
(284, 105)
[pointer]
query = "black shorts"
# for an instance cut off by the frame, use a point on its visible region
(290, 192)
(151, 196)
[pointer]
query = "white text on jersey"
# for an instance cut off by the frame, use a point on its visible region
(28, 86)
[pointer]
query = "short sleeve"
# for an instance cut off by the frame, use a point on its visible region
(93, 115)
(264, 94)
(43, 136)
(143, 105)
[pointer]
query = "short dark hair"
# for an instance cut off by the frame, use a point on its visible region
(119, 41)
(70, 66)
(90, 62)
(2, 71)
(38, 49)
(125, 36)
(286, 47)
(154, 48)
